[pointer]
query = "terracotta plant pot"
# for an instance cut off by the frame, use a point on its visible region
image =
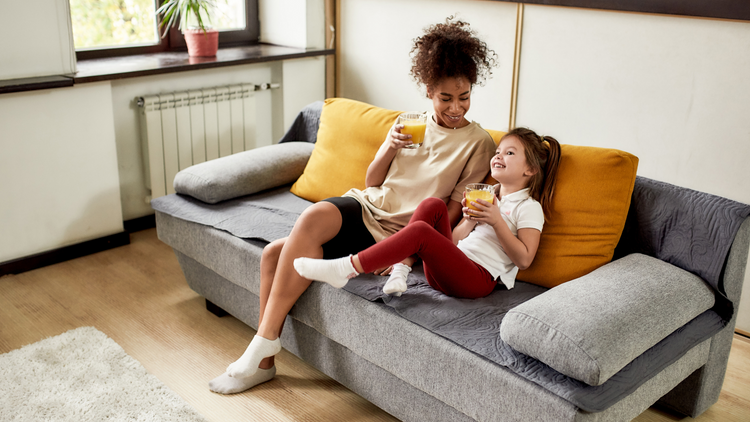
(201, 44)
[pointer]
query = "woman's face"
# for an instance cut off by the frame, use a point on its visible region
(451, 98)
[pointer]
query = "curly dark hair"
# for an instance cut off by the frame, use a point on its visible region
(451, 49)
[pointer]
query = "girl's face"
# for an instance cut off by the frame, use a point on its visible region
(451, 98)
(509, 165)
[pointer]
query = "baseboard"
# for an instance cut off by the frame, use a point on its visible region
(140, 223)
(67, 253)
(743, 333)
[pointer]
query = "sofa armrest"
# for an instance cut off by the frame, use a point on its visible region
(593, 326)
(244, 173)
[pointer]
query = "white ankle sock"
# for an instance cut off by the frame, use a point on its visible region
(396, 283)
(335, 272)
(248, 363)
(224, 384)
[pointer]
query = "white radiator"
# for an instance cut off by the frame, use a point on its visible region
(180, 129)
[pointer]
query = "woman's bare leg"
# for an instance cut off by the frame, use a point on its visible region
(316, 226)
(224, 384)
(268, 262)
(320, 223)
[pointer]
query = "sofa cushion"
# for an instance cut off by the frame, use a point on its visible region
(244, 173)
(592, 327)
(587, 214)
(349, 136)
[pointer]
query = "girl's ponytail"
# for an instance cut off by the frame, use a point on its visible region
(550, 172)
(545, 159)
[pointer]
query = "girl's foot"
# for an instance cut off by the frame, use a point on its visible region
(335, 272)
(247, 364)
(224, 384)
(396, 283)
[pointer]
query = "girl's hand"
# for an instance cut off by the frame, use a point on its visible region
(397, 140)
(488, 213)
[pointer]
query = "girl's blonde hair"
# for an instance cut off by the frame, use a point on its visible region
(543, 155)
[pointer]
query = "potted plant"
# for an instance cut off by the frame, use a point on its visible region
(194, 22)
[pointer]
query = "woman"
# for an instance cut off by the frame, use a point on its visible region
(448, 60)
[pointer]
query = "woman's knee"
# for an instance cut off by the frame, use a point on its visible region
(319, 221)
(272, 251)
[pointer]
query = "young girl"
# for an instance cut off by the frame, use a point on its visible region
(494, 242)
(448, 60)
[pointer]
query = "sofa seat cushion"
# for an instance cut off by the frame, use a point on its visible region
(592, 327)
(244, 173)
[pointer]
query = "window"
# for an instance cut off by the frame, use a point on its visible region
(106, 28)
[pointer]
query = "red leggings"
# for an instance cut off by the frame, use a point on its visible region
(428, 235)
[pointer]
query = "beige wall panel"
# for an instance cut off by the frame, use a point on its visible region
(376, 37)
(673, 91)
(58, 168)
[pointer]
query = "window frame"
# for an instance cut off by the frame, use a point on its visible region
(175, 42)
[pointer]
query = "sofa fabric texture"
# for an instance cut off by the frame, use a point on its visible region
(244, 173)
(578, 329)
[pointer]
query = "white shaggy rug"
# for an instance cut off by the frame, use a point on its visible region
(83, 375)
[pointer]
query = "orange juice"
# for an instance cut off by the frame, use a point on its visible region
(416, 129)
(473, 195)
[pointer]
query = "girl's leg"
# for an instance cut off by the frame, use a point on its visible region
(429, 236)
(337, 272)
(316, 226)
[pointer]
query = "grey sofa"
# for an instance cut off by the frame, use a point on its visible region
(654, 325)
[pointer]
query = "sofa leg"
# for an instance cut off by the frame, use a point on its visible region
(215, 309)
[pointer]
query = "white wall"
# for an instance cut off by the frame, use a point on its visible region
(292, 23)
(37, 39)
(58, 169)
(377, 36)
(673, 91)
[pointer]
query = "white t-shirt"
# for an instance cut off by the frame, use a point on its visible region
(446, 162)
(520, 211)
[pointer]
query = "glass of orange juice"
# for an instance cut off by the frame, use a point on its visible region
(476, 191)
(415, 125)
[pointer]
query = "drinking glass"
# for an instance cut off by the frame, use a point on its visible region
(476, 191)
(415, 125)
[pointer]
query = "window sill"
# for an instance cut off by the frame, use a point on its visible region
(94, 70)
(31, 84)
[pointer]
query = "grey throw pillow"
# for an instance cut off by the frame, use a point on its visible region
(244, 173)
(591, 327)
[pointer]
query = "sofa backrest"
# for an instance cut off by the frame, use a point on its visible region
(690, 229)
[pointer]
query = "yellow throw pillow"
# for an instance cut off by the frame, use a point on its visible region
(349, 136)
(587, 215)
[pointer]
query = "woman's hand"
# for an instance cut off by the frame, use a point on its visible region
(378, 169)
(397, 140)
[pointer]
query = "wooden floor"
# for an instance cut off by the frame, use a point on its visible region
(137, 295)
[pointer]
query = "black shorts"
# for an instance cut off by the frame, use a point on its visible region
(353, 236)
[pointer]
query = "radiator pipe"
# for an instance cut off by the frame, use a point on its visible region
(262, 87)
